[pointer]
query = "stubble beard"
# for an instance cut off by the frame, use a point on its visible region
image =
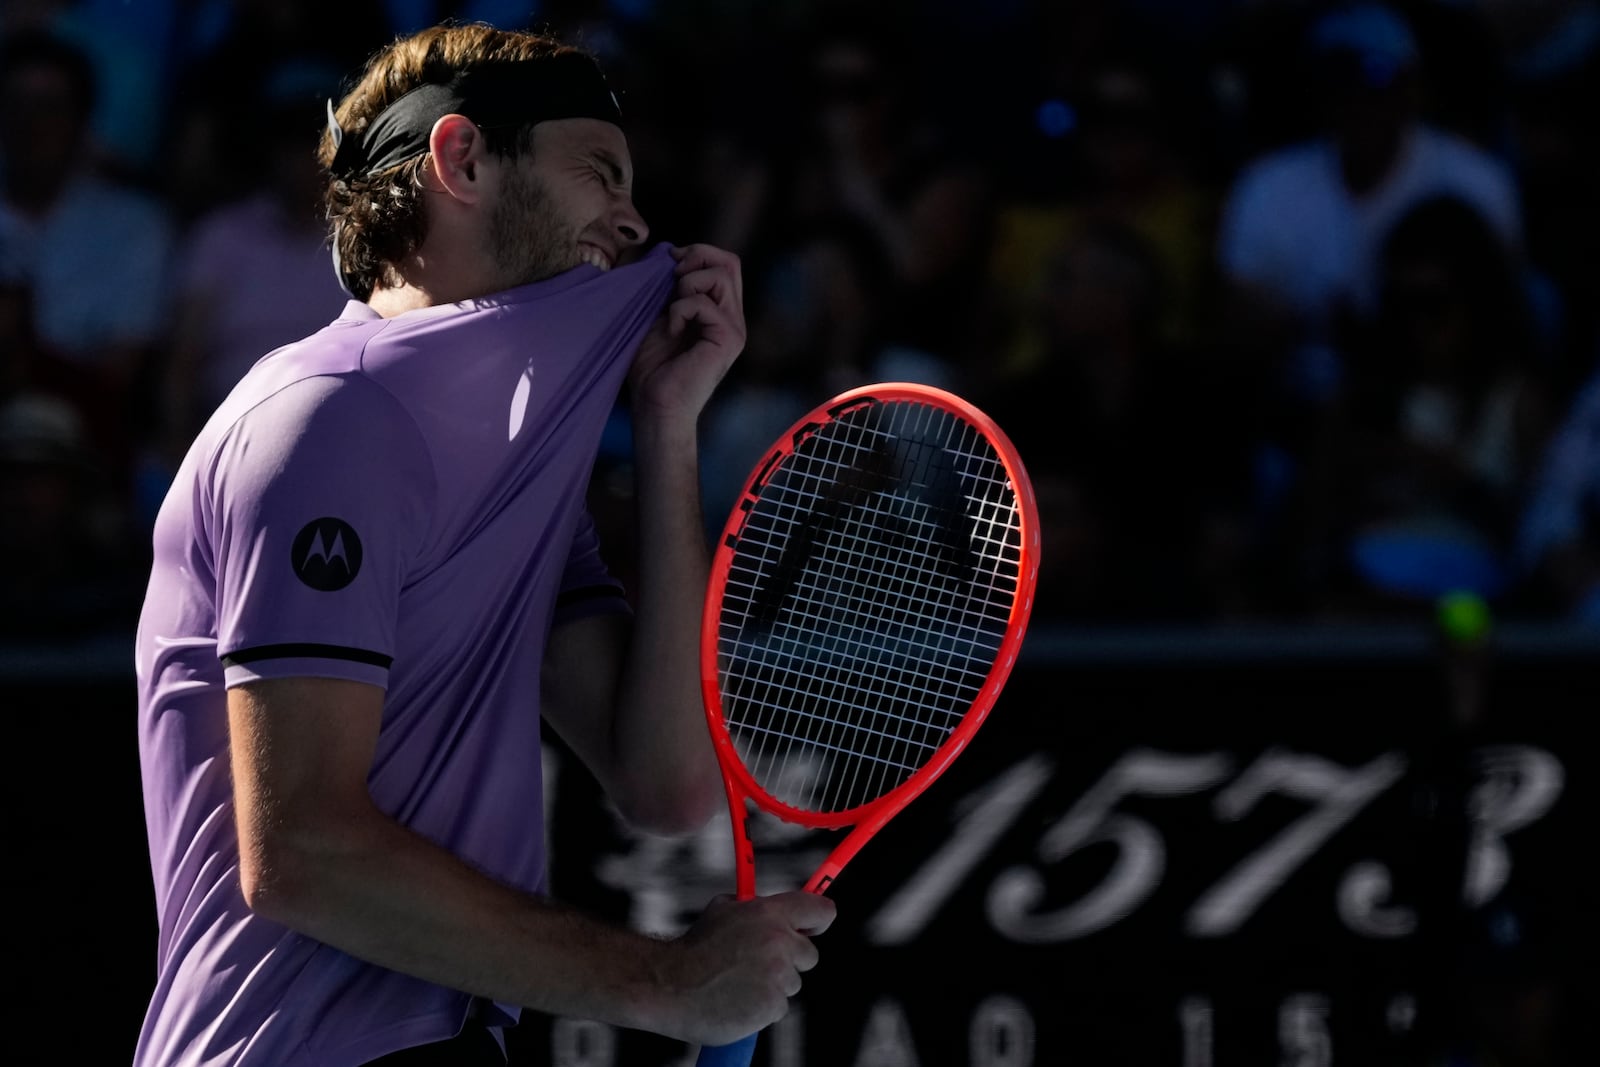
(530, 239)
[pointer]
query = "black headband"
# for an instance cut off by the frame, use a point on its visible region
(567, 85)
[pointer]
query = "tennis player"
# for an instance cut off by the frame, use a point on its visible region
(374, 577)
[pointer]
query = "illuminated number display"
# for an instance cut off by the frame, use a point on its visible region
(1081, 895)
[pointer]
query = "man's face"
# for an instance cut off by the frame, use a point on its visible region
(571, 203)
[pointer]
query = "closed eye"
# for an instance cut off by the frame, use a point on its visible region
(609, 169)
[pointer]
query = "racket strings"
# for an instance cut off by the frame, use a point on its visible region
(904, 728)
(866, 603)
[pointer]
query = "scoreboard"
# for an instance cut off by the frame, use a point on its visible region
(1294, 862)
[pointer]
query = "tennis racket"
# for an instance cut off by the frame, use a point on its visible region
(867, 600)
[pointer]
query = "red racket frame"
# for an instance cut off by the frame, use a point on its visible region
(868, 818)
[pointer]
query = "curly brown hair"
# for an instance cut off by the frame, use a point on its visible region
(376, 221)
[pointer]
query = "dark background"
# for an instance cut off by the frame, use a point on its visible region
(1482, 980)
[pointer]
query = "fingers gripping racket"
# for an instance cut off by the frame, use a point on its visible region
(866, 603)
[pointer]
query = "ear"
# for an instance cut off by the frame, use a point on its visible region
(456, 150)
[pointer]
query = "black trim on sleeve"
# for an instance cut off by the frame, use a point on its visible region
(306, 649)
(588, 592)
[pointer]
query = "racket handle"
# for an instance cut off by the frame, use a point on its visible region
(737, 1054)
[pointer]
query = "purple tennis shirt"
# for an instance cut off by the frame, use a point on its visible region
(398, 502)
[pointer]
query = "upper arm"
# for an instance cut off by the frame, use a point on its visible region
(300, 751)
(316, 512)
(585, 654)
(579, 681)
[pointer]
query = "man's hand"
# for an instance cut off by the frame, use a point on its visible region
(732, 974)
(694, 342)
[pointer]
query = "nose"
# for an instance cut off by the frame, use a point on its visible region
(629, 225)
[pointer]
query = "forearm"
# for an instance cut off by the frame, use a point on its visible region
(659, 752)
(382, 893)
(660, 729)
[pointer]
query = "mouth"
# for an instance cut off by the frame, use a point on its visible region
(593, 256)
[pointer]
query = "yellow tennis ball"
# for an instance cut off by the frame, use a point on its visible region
(1463, 616)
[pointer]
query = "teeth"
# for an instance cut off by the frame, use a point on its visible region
(594, 257)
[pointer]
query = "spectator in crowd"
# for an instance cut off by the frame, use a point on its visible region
(227, 49)
(1558, 533)
(1447, 404)
(819, 329)
(1299, 234)
(126, 47)
(891, 165)
(863, 148)
(1138, 451)
(254, 273)
(93, 255)
(1127, 168)
(1301, 226)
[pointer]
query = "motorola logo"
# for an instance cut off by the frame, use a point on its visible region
(326, 554)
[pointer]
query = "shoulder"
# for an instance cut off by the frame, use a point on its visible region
(1452, 154)
(319, 379)
(1472, 171)
(316, 434)
(1296, 171)
(1290, 164)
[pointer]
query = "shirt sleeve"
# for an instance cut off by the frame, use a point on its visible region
(319, 502)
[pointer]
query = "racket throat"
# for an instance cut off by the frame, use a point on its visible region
(744, 853)
(820, 881)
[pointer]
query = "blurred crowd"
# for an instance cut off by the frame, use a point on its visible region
(1290, 307)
